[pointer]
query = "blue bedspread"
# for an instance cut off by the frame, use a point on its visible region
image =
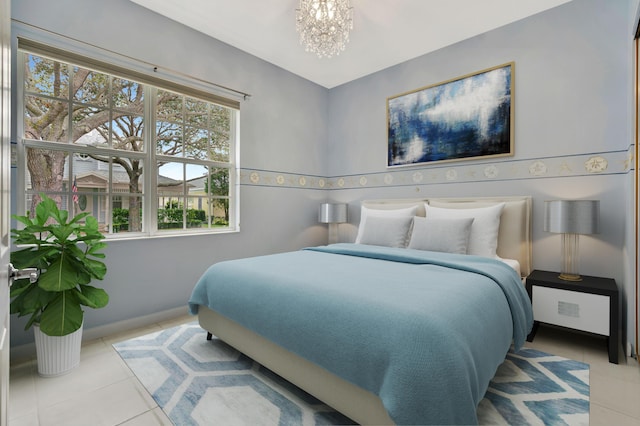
(424, 331)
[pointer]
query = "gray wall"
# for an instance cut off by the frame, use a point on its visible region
(282, 130)
(573, 101)
(572, 66)
(301, 143)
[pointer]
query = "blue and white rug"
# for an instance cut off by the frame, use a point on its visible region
(195, 381)
(536, 388)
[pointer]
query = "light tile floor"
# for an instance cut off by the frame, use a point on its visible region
(103, 391)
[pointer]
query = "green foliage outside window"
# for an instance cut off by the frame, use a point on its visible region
(80, 111)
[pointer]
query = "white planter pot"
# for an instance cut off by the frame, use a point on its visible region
(57, 355)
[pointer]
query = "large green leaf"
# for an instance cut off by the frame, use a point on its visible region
(96, 268)
(92, 297)
(91, 225)
(23, 237)
(25, 220)
(43, 210)
(35, 319)
(83, 267)
(79, 217)
(60, 276)
(90, 239)
(19, 287)
(95, 247)
(31, 257)
(31, 300)
(30, 234)
(62, 316)
(74, 250)
(62, 232)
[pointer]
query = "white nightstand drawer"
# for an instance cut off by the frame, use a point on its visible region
(581, 311)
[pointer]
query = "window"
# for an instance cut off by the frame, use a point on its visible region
(142, 158)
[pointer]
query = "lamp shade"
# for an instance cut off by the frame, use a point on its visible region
(572, 216)
(332, 213)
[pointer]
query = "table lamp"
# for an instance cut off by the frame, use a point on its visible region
(333, 214)
(571, 218)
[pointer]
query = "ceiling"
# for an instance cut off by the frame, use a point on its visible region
(385, 32)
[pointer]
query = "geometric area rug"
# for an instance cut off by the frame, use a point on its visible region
(202, 382)
(535, 388)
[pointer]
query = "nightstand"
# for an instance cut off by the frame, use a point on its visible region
(589, 305)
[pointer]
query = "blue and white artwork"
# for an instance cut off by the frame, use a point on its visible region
(460, 119)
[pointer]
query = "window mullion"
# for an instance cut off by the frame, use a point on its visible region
(81, 149)
(68, 194)
(70, 104)
(234, 171)
(185, 200)
(150, 207)
(21, 153)
(216, 164)
(109, 191)
(184, 164)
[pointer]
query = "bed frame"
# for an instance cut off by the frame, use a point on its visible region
(514, 242)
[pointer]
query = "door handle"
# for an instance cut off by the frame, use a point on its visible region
(17, 274)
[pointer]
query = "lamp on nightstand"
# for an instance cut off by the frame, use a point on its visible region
(571, 218)
(333, 214)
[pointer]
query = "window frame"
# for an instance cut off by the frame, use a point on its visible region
(149, 157)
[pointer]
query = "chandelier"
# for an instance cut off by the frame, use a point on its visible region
(324, 26)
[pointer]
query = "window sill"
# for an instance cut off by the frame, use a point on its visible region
(179, 233)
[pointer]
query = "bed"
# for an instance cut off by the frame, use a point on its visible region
(388, 329)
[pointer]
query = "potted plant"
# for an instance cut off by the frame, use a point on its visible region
(66, 251)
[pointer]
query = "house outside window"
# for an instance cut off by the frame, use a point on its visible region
(143, 159)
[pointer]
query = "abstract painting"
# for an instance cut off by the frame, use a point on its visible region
(464, 118)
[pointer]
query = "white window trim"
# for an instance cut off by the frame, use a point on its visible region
(22, 30)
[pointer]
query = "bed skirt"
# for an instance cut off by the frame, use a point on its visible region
(354, 402)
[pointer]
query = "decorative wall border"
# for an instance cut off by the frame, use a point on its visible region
(604, 163)
(255, 177)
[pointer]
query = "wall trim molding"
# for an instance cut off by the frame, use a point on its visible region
(590, 164)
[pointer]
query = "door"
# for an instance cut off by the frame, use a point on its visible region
(5, 173)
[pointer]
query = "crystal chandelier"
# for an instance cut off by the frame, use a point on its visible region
(324, 26)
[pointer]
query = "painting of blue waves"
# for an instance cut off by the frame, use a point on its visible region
(464, 118)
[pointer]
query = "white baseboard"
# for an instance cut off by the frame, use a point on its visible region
(120, 326)
(28, 351)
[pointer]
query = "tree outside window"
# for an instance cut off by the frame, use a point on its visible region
(85, 132)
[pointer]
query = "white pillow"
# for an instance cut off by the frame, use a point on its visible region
(445, 235)
(483, 239)
(386, 231)
(366, 212)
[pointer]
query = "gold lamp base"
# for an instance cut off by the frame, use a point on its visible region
(570, 277)
(569, 271)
